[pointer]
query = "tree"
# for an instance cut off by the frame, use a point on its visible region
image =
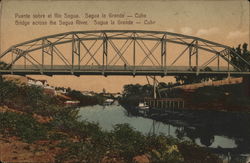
(4, 66)
(244, 53)
(193, 78)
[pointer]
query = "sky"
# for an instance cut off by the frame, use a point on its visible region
(225, 22)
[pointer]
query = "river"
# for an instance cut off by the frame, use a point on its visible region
(224, 144)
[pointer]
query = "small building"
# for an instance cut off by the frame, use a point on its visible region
(36, 82)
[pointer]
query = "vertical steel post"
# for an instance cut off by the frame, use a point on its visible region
(25, 62)
(197, 56)
(42, 54)
(190, 55)
(134, 51)
(72, 52)
(52, 57)
(163, 51)
(218, 62)
(79, 53)
(105, 51)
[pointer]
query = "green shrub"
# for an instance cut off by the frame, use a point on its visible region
(193, 153)
(128, 142)
(24, 126)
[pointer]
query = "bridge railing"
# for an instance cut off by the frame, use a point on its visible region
(111, 68)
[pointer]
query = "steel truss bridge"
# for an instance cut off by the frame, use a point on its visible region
(120, 52)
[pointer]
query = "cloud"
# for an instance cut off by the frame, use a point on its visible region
(186, 30)
(206, 32)
(237, 34)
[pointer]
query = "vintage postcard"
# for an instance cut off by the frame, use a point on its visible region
(132, 81)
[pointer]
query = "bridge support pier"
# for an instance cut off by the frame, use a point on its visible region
(246, 85)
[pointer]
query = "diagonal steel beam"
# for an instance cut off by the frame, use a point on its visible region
(61, 56)
(85, 54)
(150, 53)
(147, 55)
(25, 56)
(209, 61)
(122, 53)
(91, 55)
(118, 52)
(182, 53)
(223, 54)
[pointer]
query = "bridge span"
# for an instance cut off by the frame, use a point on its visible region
(121, 52)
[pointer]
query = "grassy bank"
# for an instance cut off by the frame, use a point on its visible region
(231, 97)
(225, 98)
(40, 120)
(86, 142)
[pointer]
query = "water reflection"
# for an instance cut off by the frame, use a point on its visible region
(110, 115)
(217, 141)
(227, 135)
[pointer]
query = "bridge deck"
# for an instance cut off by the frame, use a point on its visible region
(116, 70)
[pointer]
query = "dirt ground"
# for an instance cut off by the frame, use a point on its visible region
(12, 149)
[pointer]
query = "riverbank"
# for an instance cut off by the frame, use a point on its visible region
(205, 126)
(67, 141)
(210, 113)
(34, 124)
(230, 97)
(226, 98)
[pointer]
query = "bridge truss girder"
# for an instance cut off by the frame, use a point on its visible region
(48, 46)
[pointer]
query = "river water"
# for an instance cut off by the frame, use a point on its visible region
(108, 116)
